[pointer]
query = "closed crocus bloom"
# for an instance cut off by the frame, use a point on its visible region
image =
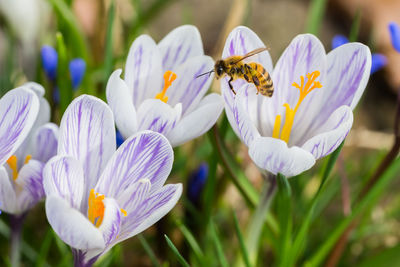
(310, 112)
(18, 112)
(77, 68)
(97, 196)
(24, 167)
(161, 91)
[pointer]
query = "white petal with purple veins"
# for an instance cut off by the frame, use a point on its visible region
(45, 142)
(189, 89)
(331, 134)
(179, 45)
(151, 210)
(87, 133)
(8, 198)
(111, 224)
(120, 101)
(63, 176)
(72, 226)
(134, 194)
(143, 69)
(31, 182)
(157, 116)
(18, 111)
(197, 122)
(144, 155)
(275, 156)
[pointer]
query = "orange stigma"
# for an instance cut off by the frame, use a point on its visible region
(304, 89)
(13, 164)
(169, 77)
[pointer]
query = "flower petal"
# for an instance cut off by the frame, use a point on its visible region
(151, 210)
(63, 176)
(197, 122)
(189, 89)
(44, 106)
(144, 155)
(72, 226)
(275, 156)
(143, 69)
(331, 133)
(134, 194)
(45, 142)
(179, 45)
(111, 224)
(18, 111)
(87, 133)
(30, 179)
(120, 101)
(155, 115)
(8, 198)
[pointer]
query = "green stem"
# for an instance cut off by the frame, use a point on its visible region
(257, 221)
(16, 222)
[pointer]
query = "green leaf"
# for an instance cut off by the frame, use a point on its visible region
(176, 252)
(44, 249)
(315, 16)
(361, 206)
(355, 27)
(192, 242)
(243, 249)
(218, 245)
(149, 251)
(387, 257)
(64, 85)
(108, 57)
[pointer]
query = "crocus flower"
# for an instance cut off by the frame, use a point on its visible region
(394, 30)
(49, 61)
(378, 60)
(77, 68)
(24, 167)
(18, 110)
(97, 196)
(161, 91)
(310, 112)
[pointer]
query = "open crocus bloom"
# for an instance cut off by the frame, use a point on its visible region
(161, 91)
(18, 112)
(310, 112)
(97, 196)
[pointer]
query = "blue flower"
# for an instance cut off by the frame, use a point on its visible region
(49, 61)
(394, 30)
(77, 68)
(119, 138)
(378, 60)
(196, 183)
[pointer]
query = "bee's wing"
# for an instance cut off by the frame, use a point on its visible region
(252, 53)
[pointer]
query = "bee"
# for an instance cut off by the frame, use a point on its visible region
(251, 72)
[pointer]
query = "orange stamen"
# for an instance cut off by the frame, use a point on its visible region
(96, 208)
(13, 164)
(169, 77)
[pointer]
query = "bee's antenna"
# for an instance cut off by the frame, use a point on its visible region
(208, 72)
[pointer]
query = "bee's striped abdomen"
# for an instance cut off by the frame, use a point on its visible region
(261, 79)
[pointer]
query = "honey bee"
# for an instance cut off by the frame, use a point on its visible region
(252, 72)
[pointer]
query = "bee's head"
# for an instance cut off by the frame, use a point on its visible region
(219, 68)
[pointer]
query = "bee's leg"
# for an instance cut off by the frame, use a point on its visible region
(230, 85)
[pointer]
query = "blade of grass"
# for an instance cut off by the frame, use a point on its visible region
(44, 249)
(362, 205)
(149, 251)
(192, 242)
(218, 245)
(108, 56)
(64, 85)
(176, 252)
(315, 15)
(243, 249)
(355, 27)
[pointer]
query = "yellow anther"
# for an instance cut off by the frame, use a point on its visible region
(27, 159)
(169, 77)
(124, 212)
(304, 89)
(13, 164)
(96, 208)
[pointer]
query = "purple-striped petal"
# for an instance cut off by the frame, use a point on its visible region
(18, 111)
(63, 177)
(189, 89)
(198, 121)
(143, 70)
(331, 134)
(45, 142)
(30, 180)
(144, 155)
(150, 210)
(179, 45)
(134, 194)
(72, 226)
(157, 116)
(87, 133)
(8, 197)
(111, 224)
(275, 156)
(120, 101)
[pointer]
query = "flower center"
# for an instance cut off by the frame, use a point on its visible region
(304, 89)
(169, 77)
(96, 208)
(13, 164)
